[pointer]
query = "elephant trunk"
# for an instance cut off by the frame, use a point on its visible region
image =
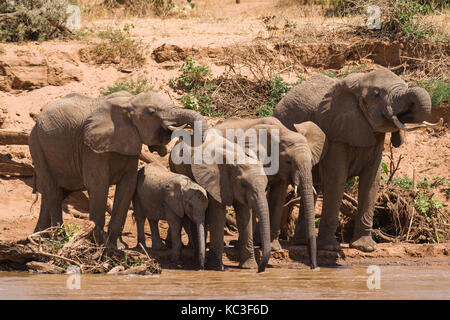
(261, 208)
(420, 104)
(201, 244)
(415, 106)
(178, 117)
(305, 186)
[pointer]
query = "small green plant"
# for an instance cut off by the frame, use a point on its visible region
(118, 47)
(329, 73)
(354, 69)
(405, 182)
(133, 86)
(195, 81)
(351, 183)
(278, 88)
(427, 206)
(384, 171)
(192, 76)
(438, 89)
(68, 231)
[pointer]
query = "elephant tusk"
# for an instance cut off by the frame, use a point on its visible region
(295, 190)
(172, 128)
(424, 124)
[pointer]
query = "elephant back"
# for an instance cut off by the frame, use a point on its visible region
(302, 101)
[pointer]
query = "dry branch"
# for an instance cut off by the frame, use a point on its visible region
(8, 137)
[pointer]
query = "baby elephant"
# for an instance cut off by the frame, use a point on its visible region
(164, 195)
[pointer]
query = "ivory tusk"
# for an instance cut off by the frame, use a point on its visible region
(172, 128)
(295, 190)
(424, 124)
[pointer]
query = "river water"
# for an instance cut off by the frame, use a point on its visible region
(395, 282)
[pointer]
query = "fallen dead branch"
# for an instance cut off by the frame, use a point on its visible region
(8, 137)
(55, 249)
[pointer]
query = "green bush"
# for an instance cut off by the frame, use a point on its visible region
(141, 84)
(195, 81)
(118, 47)
(278, 88)
(438, 89)
(35, 20)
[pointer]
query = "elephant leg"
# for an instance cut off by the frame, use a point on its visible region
(215, 217)
(50, 213)
(55, 207)
(156, 238)
(192, 235)
(175, 233)
(300, 228)
(44, 220)
(98, 196)
(187, 227)
(122, 200)
(140, 224)
(276, 198)
(367, 196)
(334, 173)
(245, 243)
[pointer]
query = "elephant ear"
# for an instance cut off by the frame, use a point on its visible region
(340, 115)
(214, 177)
(173, 198)
(109, 128)
(397, 138)
(315, 138)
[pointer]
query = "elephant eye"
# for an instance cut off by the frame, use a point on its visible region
(376, 93)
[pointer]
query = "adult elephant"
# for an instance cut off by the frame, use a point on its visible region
(81, 143)
(298, 152)
(241, 184)
(355, 113)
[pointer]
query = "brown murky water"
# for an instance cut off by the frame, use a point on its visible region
(396, 282)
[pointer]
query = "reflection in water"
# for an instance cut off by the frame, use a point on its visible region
(397, 282)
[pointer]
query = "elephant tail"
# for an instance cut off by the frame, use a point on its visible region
(36, 197)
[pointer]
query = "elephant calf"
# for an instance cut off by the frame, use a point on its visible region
(163, 195)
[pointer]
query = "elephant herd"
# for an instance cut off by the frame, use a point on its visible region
(327, 131)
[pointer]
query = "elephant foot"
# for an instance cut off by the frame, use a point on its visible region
(329, 244)
(275, 245)
(116, 244)
(214, 264)
(364, 243)
(249, 263)
(99, 236)
(158, 246)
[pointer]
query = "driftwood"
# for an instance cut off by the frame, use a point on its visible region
(8, 137)
(55, 249)
(12, 168)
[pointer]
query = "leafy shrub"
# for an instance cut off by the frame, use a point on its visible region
(195, 81)
(438, 89)
(35, 20)
(278, 88)
(403, 182)
(427, 206)
(141, 84)
(118, 47)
